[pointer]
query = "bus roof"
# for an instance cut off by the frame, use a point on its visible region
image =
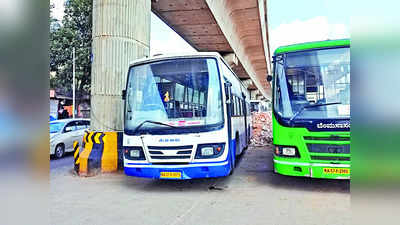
(312, 45)
(173, 56)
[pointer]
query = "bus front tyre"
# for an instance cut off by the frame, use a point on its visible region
(231, 169)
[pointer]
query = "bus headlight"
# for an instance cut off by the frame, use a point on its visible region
(287, 151)
(207, 151)
(134, 153)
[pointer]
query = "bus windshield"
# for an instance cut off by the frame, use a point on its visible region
(181, 92)
(313, 84)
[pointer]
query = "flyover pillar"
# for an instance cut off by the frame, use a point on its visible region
(121, 33)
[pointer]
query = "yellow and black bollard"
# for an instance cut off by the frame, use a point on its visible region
(99, 153)
(76, 156)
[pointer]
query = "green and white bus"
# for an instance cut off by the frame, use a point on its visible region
(311, 109)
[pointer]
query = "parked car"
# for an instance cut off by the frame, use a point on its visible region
(64, 132)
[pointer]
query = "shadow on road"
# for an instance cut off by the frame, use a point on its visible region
(253, 168)
(203, 184)
(305, 184)
(194, 185)
(258, 164)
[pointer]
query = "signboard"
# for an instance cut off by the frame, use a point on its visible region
(53, 109)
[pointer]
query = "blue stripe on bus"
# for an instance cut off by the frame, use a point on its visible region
(186, 172)
(147, 164)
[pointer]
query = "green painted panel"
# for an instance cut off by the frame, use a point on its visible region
(312, 45)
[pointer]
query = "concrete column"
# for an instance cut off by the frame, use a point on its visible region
(121, 34)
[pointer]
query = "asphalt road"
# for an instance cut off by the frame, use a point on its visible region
(252, 195)
(62, 165)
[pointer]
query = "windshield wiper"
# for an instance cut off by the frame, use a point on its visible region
(153, 122)
(311, 106)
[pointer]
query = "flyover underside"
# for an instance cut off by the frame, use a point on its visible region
(226, 27)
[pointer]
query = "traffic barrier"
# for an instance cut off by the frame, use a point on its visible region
(76, 156)
(101, 153)
(109, 160)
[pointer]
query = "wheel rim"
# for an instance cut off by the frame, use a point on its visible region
(59, 151)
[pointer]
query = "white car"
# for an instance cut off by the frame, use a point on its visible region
(64, 132)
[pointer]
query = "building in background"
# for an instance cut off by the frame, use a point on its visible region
(61, 105)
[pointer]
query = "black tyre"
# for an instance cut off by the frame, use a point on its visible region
(59, 151)
(237, 149)
(233, 162)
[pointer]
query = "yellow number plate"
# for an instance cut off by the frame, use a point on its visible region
(170, 175)
(337, 171)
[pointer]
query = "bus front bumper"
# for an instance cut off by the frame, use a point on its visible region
(314, 170)
(178, 172)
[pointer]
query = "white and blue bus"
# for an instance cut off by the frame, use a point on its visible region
(186, 116)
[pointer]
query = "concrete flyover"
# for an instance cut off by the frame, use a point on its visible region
(235, 28)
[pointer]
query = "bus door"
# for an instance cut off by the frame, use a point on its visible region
(244, 108)
(228, 93)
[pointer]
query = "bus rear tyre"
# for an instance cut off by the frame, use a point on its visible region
(237, 149)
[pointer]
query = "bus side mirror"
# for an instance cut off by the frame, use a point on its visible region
(269, 78)
(123, 94)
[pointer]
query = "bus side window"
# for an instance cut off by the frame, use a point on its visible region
(237, 107)
(240, 106)
(233, 105)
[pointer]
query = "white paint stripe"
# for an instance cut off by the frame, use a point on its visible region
(343, 178)
(331, 165)
(312, 164)
(291, 163)
(176, 166)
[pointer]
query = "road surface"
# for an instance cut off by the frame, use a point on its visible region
(252, 195)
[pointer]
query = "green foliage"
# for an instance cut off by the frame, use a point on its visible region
(74, 31)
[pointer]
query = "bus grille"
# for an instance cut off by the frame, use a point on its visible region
(330, 158)
(328, 138)
(327, 148)
(170, 157)
(178, 153)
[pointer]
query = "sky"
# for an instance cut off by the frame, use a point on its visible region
(289, 22)
(297, 21)
(163, 40)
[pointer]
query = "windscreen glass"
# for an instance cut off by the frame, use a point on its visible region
(313, 84)
(182, 92)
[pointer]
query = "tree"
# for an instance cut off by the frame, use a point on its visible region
(74, 31)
